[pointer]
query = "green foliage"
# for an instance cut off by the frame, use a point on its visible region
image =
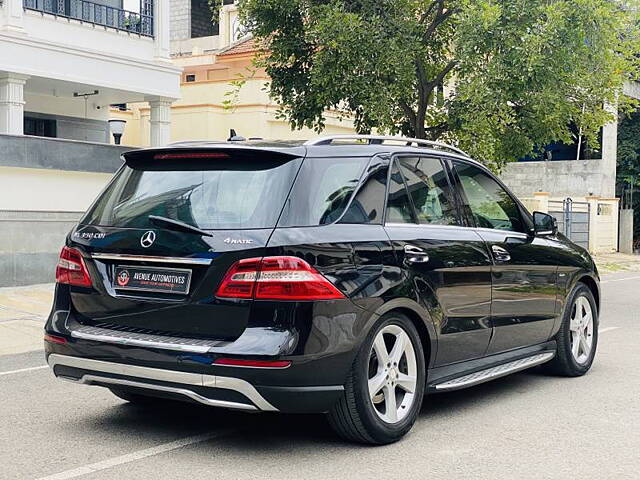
(629, 150)
(628, 173)
(516, 72)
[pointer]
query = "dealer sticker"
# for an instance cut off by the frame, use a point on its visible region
(151, 279)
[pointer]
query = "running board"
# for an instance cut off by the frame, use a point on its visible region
(494, 372)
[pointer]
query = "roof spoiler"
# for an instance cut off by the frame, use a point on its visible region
(202, 157)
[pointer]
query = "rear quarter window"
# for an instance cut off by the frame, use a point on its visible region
(322, 191)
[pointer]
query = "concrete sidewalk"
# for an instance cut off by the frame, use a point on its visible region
(617, 262)
(22, 314)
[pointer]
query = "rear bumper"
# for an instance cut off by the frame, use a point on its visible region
(210, 390)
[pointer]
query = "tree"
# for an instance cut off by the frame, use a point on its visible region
(501, 78)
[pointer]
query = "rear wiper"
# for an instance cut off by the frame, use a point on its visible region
(177, 225)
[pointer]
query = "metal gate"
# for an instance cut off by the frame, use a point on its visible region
(573, 219)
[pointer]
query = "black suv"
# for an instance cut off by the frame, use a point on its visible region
(348, 275)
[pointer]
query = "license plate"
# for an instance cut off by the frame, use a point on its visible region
(151, 279)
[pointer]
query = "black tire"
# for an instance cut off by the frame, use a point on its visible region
(354, 417)
(564, 363)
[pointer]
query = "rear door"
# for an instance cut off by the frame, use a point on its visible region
(164, 233)
(448, 264)
(524, 270)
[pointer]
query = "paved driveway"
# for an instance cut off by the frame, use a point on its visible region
(527, 426)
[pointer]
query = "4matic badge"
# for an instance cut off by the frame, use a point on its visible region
(237, 241)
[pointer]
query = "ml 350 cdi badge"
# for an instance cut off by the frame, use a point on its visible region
(346, 275)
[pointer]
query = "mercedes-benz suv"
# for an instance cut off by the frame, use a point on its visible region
(348, 275)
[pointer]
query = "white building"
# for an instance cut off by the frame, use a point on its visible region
(62, 64)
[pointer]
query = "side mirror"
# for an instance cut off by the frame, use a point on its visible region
(544, 224)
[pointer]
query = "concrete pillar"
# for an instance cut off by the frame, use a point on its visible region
(11, 16)
(160, 121)
(593, 222)
(542, 199)
(625, 242)
(609, 155)
(161, 29)
(12, 103)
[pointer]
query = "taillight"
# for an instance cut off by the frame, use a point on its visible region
(55, 339)
(71, 268)
(276, 278)
(237, 362)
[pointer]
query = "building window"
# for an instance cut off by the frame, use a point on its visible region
(190, 78)
(201, 22)
(40, 127)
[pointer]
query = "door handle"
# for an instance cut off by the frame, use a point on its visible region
(415, 254)
(500, 254)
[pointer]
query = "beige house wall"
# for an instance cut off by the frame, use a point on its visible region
(603, 218)
(210, 106)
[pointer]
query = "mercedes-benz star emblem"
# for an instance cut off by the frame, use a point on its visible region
(147, 239)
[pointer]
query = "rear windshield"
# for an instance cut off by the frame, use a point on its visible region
(211, 195)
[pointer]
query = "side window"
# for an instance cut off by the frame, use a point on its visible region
(399, 209)
(490, 205)
(430, 191)
(368, 204)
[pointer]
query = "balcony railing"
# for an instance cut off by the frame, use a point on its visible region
(99, 14)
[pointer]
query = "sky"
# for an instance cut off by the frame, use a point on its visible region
(132, 5)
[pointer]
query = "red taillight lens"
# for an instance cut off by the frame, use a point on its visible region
(240, 280)
(71, 268)
(55, 339)
(276, 278)
(237, 362)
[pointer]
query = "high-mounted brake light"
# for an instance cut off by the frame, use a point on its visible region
(71, 268)
(276, 278)
(180, 156)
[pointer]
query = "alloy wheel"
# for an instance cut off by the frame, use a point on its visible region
(393, 373)
(581, 327)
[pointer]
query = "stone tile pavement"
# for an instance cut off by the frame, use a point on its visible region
(22, 314)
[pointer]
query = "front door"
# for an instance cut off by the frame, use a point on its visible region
(448, 264)
(523, 272)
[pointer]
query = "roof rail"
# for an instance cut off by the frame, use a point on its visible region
(380, 139)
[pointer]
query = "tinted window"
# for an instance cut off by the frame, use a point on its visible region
(430, 191)
(368, 204)
(490, 205)
(399, 209)
(216, 194)
(322, 191)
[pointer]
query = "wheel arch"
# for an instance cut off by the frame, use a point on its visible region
(591, 285)
(420, 317)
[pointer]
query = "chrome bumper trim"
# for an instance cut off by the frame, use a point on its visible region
(495, 372)
(98, 334)
(158, 374)
(149, 258)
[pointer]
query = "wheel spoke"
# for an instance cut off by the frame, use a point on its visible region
(407, 382)
(391, 411)
(398, 348)
(581, 307)
(575, 344)
(584, 344)
(381, 350)
(376, 383)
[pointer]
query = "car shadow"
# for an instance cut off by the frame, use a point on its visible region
(281, 432)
